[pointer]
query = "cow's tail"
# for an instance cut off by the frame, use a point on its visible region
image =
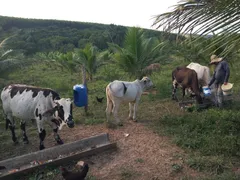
(196, 89)
(109, 99)
(7, 123)
(173, 74)
(109, 103)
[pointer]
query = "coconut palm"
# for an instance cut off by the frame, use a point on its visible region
(88, 59)
(91, 59)
(205, 17)
(137, 52)
(9, 58)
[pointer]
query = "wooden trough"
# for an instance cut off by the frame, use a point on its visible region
(191, 103)
(55, 156)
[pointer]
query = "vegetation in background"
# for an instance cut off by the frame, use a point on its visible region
(137, 53)
(210, 136)
(9, 58)
(35, 35)
(205, 18)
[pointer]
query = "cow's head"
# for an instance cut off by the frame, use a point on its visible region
(147, 83)
(63, 111)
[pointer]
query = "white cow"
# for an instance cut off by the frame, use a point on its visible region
(203, 73)
(119, 91)
(42, 104)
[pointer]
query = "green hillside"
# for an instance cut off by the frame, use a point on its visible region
(33, 35)
(54, 52)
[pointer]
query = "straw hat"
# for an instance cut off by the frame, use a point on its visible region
(227, 87)
(214, 59)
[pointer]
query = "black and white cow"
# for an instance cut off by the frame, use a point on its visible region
(42, 104)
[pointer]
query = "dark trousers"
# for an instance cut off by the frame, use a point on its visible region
(218, 99)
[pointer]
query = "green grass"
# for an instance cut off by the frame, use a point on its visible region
(211, 136)
(210, 132)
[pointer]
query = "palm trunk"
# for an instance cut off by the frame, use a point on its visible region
(84, 81)
(90, 77)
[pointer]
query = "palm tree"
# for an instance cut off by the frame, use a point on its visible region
(137, 52)
(88, 59)
(91, 59)
(205, 17)
(192, 50)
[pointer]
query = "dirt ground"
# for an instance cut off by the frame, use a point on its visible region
(142, 155)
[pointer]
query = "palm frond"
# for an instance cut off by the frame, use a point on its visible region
(204, 17)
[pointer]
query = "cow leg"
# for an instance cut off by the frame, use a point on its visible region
(135, 111)
(56, 135)
(42, 134)
(183, 93)
(11, 124)
(192, 94)
(130, 117)
(115, 113)
(23, 128)
(174, 90)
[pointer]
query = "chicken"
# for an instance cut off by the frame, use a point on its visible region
(99, 99)
(80, 175)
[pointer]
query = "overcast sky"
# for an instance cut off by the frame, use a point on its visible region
(122, 12)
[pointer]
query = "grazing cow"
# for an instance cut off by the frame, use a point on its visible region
(203, 73)
(151, 68)
(42, 104)
(186, 78)
(119, 91)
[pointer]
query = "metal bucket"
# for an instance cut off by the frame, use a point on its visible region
(206, 91)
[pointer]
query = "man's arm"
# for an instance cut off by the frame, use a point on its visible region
(227, 70)
(213, 79)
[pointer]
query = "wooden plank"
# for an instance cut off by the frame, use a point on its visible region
(61, 161)
(56, 151)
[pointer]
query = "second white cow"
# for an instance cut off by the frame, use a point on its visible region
(120, 91)
(203, 73)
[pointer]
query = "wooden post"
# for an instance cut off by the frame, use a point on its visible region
(84, 81)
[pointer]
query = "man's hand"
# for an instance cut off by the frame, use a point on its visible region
(225, 83)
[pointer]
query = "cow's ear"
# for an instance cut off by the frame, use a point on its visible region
(50, 112)
(56, 102)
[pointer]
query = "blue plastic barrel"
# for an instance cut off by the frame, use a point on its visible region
(80, 95)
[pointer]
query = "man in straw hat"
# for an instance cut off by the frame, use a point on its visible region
(220, 76)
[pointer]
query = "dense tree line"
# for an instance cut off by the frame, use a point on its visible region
(34, 35)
